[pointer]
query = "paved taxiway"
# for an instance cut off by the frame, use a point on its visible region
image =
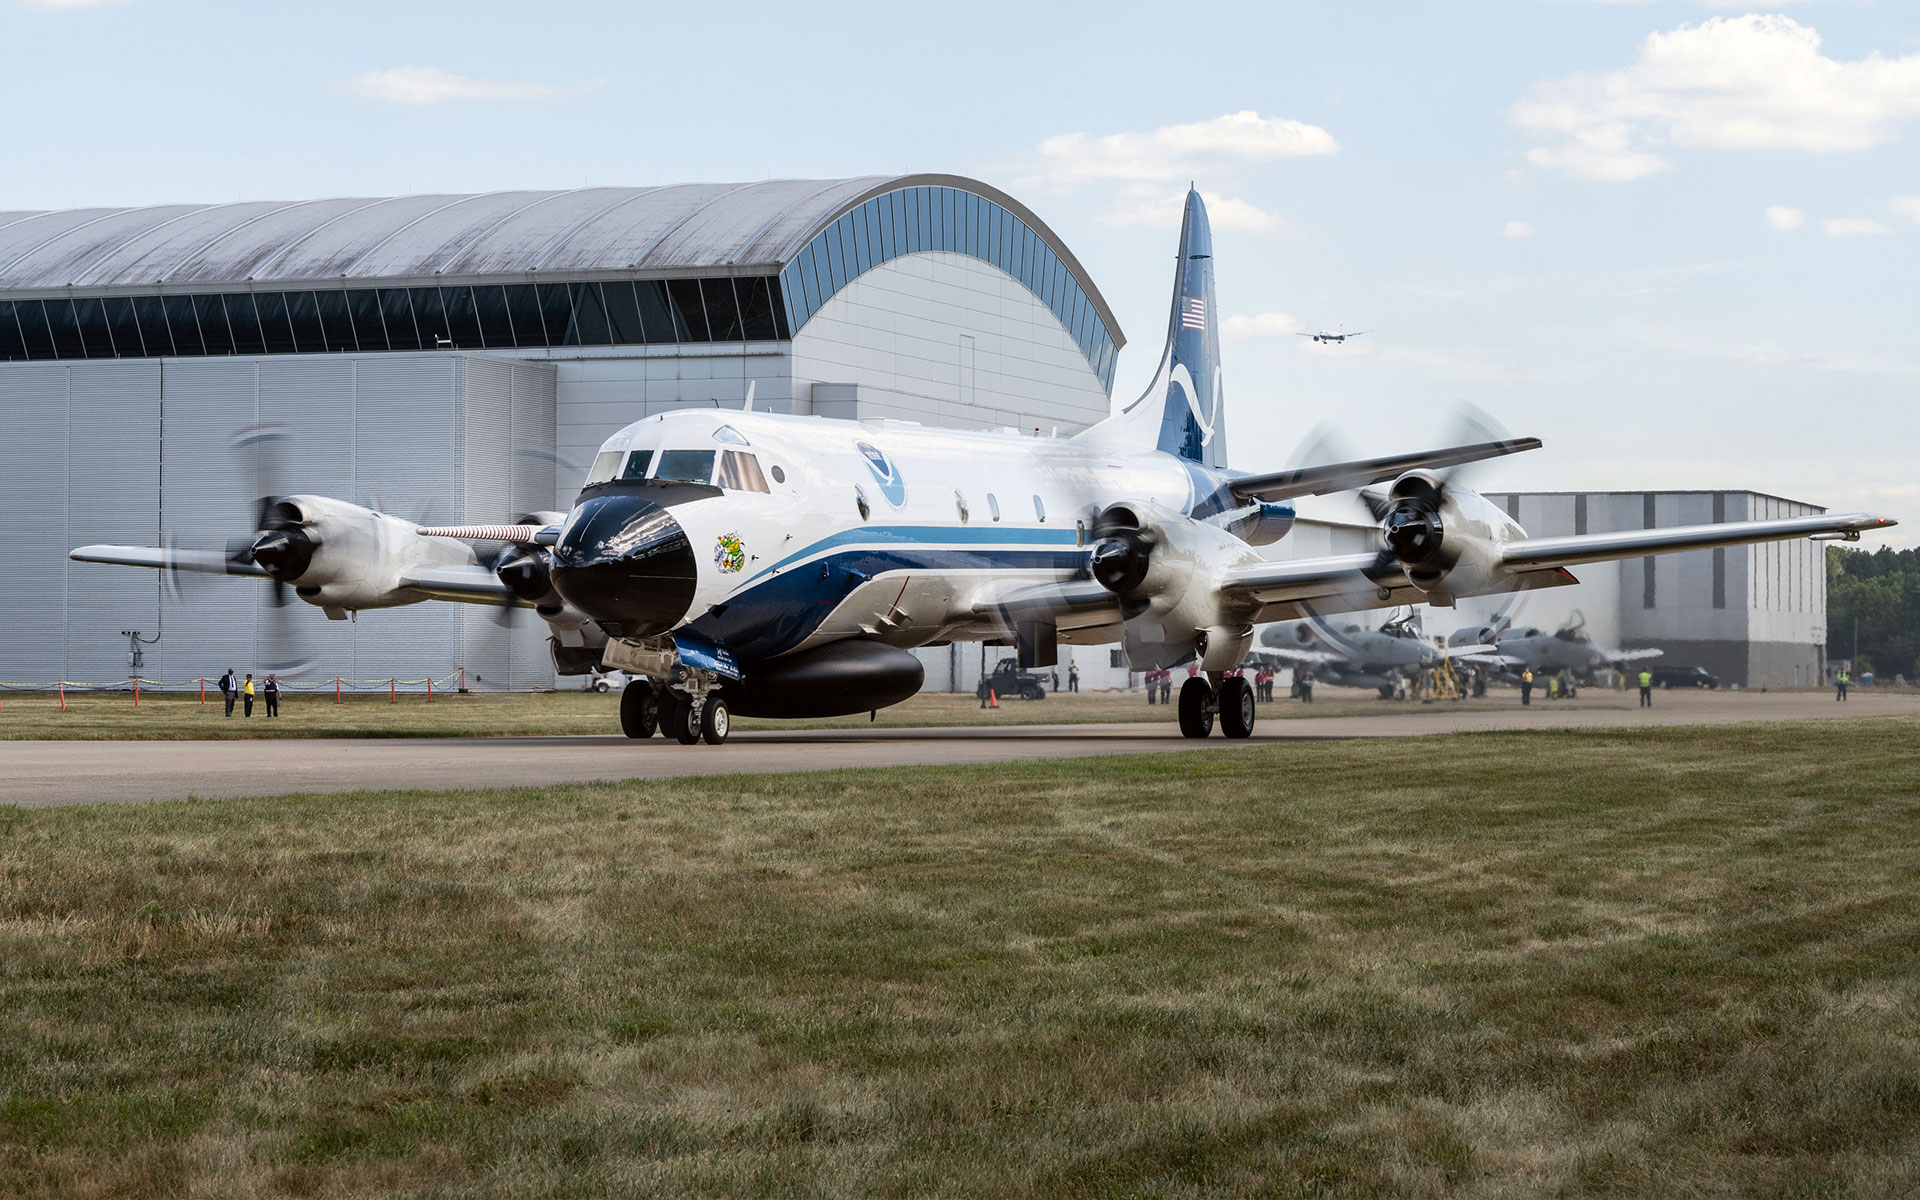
(44, 773)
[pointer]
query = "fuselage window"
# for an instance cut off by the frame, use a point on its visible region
(637, 464)
(686, 466)
(1039, 509)
(993, 506)
(740, 472)
(779, 476)
(729, 435)
(604, 466)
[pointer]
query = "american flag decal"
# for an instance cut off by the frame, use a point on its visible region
(1193, 313)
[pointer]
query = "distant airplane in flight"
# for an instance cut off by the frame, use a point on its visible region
(1324, 338)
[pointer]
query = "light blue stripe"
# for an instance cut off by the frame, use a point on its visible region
(927, 536)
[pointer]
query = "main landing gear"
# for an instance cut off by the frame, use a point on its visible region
(1200, 704)
(647, 708)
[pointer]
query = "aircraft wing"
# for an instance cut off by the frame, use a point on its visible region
(167, 558)
(1633, 655)
(1537, 553)
(468, 583)
(1341, 477)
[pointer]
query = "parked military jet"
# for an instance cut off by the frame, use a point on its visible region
(1351, 655)
(784, 566)
(1530, 648)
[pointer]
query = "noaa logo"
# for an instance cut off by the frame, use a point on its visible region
(729, 553)
(883, 473)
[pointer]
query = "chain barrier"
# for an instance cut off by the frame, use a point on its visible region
(386, 683)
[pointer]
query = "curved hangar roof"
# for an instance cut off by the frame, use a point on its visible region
(792, 228)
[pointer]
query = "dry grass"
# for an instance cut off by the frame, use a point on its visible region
(168, 716)
(1662, 962)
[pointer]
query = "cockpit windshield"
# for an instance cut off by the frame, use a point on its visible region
(604, 466)
(686, 466)
(740, 472)
(637, 464)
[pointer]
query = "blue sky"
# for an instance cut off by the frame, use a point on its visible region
(1678, 241)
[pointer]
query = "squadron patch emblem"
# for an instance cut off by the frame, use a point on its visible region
(729, 554)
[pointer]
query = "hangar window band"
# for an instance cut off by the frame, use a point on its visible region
(952, 220)
(478, 317)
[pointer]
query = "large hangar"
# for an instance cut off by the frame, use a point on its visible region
(460, 358)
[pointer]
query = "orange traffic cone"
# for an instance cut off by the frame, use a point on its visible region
(993, 701)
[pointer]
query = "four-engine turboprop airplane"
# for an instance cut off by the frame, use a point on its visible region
(1353, 656)
(784, 566)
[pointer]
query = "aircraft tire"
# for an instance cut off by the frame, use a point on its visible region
(1236, 708)
(715, 721)
(1196, 708)
(685, 722)
(639, 710)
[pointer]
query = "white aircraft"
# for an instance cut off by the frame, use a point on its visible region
(783, 566)
(1324, 338)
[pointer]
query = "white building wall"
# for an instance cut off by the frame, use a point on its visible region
(947, 339)
(141, 452)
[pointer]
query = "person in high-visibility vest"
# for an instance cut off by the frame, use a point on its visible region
(1840, 684)
(1646, 688)
(246, 694)
(1526, 688)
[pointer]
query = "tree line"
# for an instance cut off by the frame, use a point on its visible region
(1877, 593)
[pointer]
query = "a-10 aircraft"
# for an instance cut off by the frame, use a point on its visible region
(1527, 648)
(784, 566)
(1350, 655)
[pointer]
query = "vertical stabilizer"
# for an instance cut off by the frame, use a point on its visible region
(1181, 411)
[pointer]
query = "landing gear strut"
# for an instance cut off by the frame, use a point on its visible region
(1233, 704)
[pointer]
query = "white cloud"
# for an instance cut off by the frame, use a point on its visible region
(1785, 219)
(1262, 325)
(1906, 206)
(1745, 82)
(1144, 206)
(1172, 151)
(431, 85)
(1851, 227)
(1517, 229)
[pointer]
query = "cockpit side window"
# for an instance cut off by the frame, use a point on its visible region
(740, 472)
(637, 464)
(604, 466)
(686, 466)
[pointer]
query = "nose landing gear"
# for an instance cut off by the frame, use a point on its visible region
(1200, 704)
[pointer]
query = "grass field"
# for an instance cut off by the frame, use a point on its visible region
(1658, 962)
(172, 716)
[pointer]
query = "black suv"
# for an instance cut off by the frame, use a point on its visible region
(1009, 680)
(1693, 677)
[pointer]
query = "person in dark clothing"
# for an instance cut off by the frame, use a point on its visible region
(272, 693)
(1073, 677)
(1306, 687)
(228, 692)
(983, 691)
(1166, 687)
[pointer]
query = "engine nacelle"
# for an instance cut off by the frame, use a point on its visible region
(1447, 538)
(1166, 571)
(341, 556)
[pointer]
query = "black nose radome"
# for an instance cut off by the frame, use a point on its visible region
(626, 563)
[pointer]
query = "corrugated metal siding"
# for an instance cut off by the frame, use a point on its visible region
(113, 495)
(405, 456)
(142, 451)
(33, 536)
